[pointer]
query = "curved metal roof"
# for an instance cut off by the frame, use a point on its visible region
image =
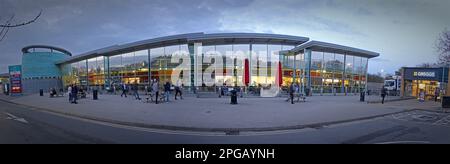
(28, 48)
(334, 48)
(205, 39)
(243, 38)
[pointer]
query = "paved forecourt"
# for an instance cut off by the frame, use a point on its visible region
(216, 113)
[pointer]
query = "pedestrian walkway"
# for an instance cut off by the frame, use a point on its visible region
(377, 98)
(217, 113)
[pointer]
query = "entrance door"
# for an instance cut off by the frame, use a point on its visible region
(426, 86)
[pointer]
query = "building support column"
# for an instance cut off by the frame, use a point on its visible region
(87, 75)
(308, 69)
(447, 93)
(107, 72)
(367, 76)
(149, 67)
(294, 73)
(343, 89)
(192, 56)
(250, 70)
(403, 82)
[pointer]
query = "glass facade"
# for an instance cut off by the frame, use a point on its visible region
(334, 73)
(96, 72)
(322, 72)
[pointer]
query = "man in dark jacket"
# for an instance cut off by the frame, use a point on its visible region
(291, 92)
(135, 89)
(74, 94)
(124, 90)
(436, 94)
(167, 91)
(178, 87)
(155, 90)
(383, 94)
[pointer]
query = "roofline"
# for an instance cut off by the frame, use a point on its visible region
(4, 74)
(27, 49)
(425, 67)
(251, 37)
(330, 47)
(219, 38)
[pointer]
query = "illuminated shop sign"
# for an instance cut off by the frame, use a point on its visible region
(425, 74)
(434, 74)
(15, 78)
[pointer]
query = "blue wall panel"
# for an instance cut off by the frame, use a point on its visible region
(41, 64)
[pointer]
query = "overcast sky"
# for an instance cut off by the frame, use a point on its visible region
(404, 32)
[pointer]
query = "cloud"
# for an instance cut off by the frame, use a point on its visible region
(363, 11)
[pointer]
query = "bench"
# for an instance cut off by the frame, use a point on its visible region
(56, 94)
(297, 97)
(150, 97)
(81, 95)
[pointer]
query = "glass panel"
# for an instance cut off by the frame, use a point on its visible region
(115, 67)
(185, 83)
(227, 77)
(169, 66)
(129, 68)
(241, 52)
(357, 74)
(286, 47)
(328, 73)
(207, 62)
(316, 71)
(300, 62)
(82, 72)
(338, 72)
(349, 82)
(364, 72)
(96, 75)
(259, 65)
(142, 64)
(273, 58)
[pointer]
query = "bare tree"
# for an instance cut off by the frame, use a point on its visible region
(8, 25)
(443, 47)
(430, 65)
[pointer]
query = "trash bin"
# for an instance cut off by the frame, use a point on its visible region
(95, 94)
(307, 90)
(362, 97)
(41, 92)
(446, 102)
(234, 97)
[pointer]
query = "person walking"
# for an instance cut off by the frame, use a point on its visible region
(178, 90)
(167, 91)
(69, 92)
(422, 96)
(383, 94)
(436, 95)
(155, 88)
(74, 94)
(135, 89)
(124, 90)
(291, 92)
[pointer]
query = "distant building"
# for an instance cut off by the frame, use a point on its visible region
(427, 80)
(39, 70)
(4, 82)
